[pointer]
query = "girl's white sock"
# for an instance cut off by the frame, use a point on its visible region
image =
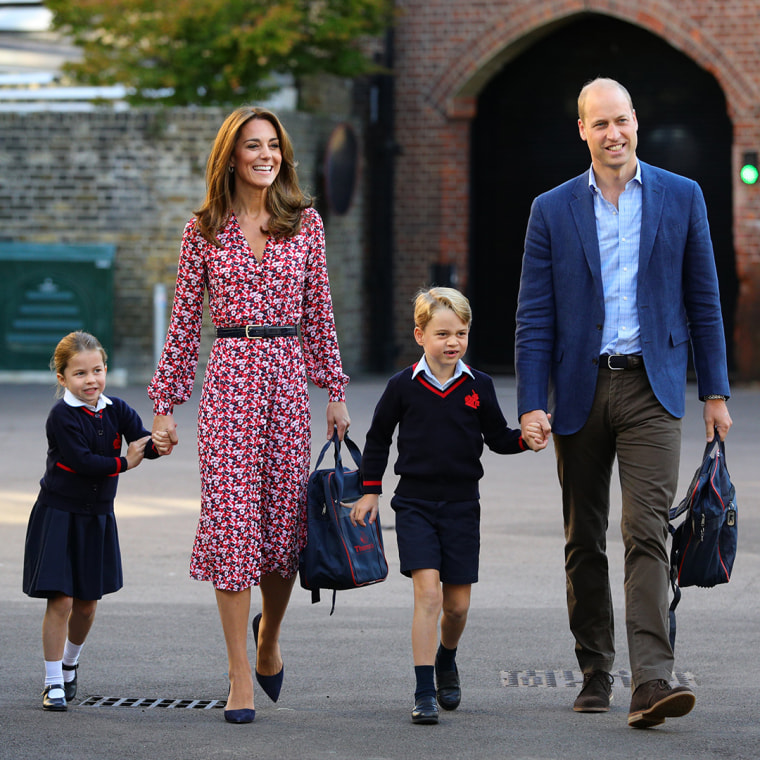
(71, 654)
(53, 672)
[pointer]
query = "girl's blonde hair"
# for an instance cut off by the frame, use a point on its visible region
(74, 343)
(284, 199)
(428, 301)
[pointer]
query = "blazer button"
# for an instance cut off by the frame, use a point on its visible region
(595, 361)
(598, 327)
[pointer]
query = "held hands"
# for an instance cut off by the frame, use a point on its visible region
(716, 415)
(136, 451)
(164, 424)
(535, 429)
(162, 442)
(368, 504)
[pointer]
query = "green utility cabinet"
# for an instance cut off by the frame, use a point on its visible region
(46, 291)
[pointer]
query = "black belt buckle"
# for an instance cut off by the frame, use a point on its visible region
(617, 362)
(256, 332)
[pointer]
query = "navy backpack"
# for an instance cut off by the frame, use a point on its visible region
(704, 544)
(339, 555)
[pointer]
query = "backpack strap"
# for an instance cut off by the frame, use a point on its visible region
(357, 457)
(713, 449)
(676, 594)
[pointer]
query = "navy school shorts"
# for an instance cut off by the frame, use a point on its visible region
(439, 535)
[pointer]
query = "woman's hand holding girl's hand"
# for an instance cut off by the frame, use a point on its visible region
(165, 423)
(136, 451)
(162, 442)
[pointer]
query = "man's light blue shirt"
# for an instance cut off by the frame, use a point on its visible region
(619, 232)
(459, 370)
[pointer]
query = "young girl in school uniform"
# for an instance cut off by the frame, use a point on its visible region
(72, 555)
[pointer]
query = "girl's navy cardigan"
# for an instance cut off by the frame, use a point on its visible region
(84, 455)
(440, 436)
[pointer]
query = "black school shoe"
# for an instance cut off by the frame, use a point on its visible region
(53, 704)
(425, 711)
(448, 690)
(70, 687)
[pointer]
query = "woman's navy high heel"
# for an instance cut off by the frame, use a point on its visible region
(270, 684)
(244, 715)
(240, 716)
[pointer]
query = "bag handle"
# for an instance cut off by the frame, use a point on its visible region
(713, 448)
(353, 449)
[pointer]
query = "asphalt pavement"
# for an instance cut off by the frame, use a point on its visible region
(153, 672)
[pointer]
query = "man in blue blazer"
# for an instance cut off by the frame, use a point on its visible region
(618, 276)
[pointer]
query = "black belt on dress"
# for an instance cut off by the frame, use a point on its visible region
(621, 361)
(253, 332)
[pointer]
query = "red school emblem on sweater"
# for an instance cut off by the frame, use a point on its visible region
(472, 400)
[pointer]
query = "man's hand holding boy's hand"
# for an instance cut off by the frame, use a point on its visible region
(535, 429)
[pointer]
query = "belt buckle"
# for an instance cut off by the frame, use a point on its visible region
(252, 337)
(614, 356)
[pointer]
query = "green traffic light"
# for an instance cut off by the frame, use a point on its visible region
(749, 174)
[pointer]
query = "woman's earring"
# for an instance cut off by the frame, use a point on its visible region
(232, 169)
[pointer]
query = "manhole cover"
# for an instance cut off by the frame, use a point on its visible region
(574, 678)
(150, 702)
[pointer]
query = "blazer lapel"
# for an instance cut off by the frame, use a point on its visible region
(652, 199)
(582, 209)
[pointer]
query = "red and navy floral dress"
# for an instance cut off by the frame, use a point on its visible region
(254, 434)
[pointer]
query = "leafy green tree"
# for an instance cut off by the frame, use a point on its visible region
(215, 51)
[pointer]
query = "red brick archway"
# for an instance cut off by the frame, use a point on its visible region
(445, 56)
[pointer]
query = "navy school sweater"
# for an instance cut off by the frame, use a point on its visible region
(440, 436)
(84, 455)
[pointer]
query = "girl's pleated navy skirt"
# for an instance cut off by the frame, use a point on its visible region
(71, 553)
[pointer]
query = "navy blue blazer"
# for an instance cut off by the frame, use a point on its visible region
(560, 311)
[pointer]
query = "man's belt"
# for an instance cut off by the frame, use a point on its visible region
(622, 361)
(253, 332)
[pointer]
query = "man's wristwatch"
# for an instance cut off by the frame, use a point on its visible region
(714, 397)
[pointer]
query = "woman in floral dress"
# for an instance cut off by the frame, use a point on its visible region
(257, 247)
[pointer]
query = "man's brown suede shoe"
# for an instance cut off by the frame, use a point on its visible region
(596, 694)
(656, 700)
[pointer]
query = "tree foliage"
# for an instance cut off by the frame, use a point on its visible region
(215, 51)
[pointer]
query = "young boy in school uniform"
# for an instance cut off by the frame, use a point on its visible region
(444, 411)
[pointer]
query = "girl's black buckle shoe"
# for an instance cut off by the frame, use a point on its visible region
(54, 704)
(70, 687)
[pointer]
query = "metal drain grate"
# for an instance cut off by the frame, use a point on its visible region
(148, 703)
(573, 678)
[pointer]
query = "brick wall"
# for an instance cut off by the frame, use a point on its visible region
(132, 178)
(446, 51)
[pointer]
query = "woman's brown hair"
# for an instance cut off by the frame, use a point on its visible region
(284, 199)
